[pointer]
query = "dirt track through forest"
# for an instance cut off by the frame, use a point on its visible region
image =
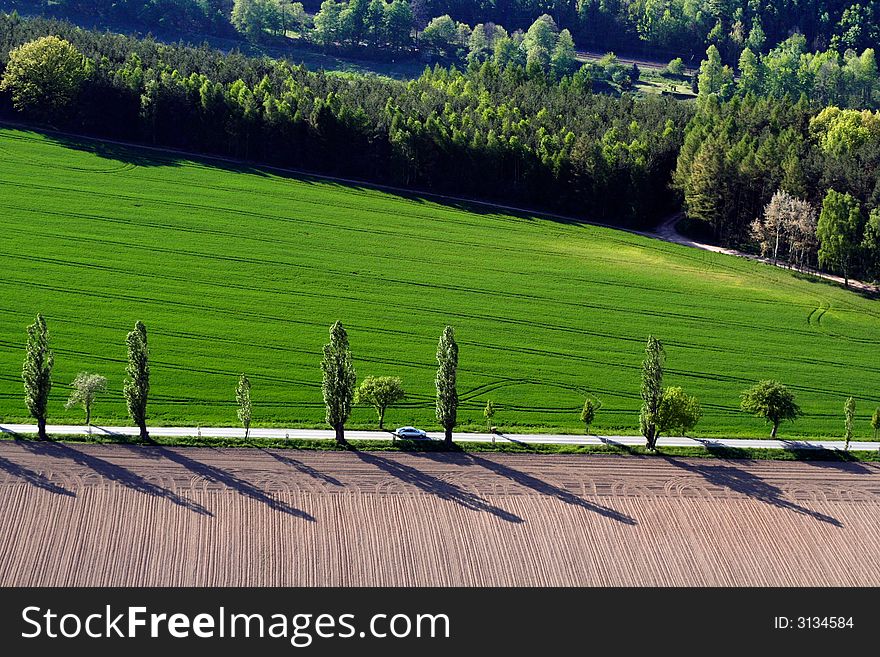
(126, 515)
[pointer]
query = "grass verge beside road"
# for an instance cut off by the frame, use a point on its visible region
(504, 447)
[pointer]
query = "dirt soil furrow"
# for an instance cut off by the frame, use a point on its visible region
(117, 515)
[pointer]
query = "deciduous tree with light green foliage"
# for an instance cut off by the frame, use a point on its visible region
(374, 24)
(715, 79)
(757, 38)
(398, 24)
(771, 400)
(875, 422)
(339, 379)
(871, 244)
(86, 387)
(675, 67)
(563, 60)
(839, 232)
(326, 23)
(652, 390)
(136, 387)
(541, 34)
(478, 44)
(255, 18)
(380, 392)
(849, 418)
(588, 413)
(37, 372)
(243, 400)
(678, 412)
(447, 393)
(294, 16)
(440, 36)
(489, 414)
(44, 77)
(751, 73)
(842, 131)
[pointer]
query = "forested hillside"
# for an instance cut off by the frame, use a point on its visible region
(779, 155)
(492, 131)
(785, 157)
(658, 28)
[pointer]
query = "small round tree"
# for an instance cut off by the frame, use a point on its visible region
(875, 422)
(380, 392)
(588, 413)
(86, 387)
(771, 400)
(675, 67)
(678, 411)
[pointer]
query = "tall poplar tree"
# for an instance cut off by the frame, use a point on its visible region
(849, 415)
(37, 372)
(652, 390)
(339, 379)
(136, 387)
(447, 394)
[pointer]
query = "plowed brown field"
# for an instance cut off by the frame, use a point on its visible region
(120, 515)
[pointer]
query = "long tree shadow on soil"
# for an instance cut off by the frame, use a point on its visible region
(431, 484)
(538, 485)
(112, 472)
(33, 478)
(745, 483)
(212, 473)
(819, 457)
(305, 469)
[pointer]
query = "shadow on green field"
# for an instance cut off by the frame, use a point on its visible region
(818, 280)
(145, 155)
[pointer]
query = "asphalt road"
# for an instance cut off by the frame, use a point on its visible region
(531, 439)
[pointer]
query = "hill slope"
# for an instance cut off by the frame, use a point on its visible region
(242, 270)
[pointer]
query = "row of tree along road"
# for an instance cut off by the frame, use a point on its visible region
(664, 410)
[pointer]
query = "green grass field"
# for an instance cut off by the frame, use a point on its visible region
(242, 270)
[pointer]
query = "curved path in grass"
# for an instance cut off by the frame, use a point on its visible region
(668, 232)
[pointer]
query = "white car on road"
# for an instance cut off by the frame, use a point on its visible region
(410, 432)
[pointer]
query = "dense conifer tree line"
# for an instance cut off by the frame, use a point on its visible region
(501, 132)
